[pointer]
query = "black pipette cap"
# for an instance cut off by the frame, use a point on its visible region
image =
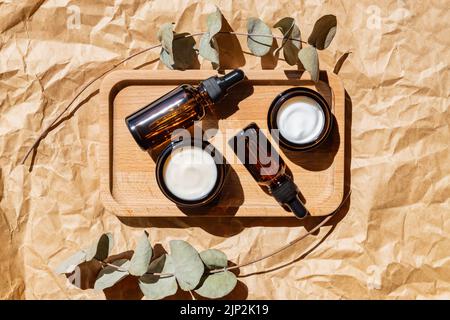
(217, 87)
(286, 193)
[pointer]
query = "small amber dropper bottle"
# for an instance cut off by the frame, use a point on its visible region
(178, 109)
(267, 167)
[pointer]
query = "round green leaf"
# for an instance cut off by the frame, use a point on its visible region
(309, 58)
(166, 58)
(261, 42)
(109, 276)
(189, 267)
(208, 47)
(141, 256)
(165, 36)
(158, 287)
(69, 265)
(323, 32)
(214, 21)
(217, 285)
(101, 249)
(214, 259)
(290, 47)
(207, 51)
(330, 37)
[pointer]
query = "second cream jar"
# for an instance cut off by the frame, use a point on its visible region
(302, 118)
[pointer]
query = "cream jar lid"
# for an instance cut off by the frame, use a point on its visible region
(299, 119)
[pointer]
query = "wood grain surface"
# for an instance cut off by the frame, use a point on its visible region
(128, 183)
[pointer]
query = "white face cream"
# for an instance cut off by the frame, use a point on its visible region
(190, 173)
(300, 119)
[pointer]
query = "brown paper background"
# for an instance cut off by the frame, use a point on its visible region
(391, 242)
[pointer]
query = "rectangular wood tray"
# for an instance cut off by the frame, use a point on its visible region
(128, 183)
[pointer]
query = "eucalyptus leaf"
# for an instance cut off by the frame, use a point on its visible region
(260, 39)
(207, 51)
(217, 285)
(214, 21)
(141, 256)
(208, 47)
(166, 58)
(69, 265)
(165, 36)
(290, 47)
(323, 32)
(158, 287)
(330, 37)
(109, 276)
(189, 267)
(309, 58)
(101, 249)
(214, 259)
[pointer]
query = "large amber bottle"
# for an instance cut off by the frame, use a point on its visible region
(178, 109)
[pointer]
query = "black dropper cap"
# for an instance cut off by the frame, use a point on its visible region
(297, 207)
(286, 193)
(217, 87)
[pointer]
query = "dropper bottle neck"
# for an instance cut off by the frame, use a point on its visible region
(218, 87)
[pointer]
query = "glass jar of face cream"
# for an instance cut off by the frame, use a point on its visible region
(191, 173)
(302, 117)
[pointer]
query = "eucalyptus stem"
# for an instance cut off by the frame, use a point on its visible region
(263, 35)
(49, 127)
(245, 264)
(118, 268)
(318, 226)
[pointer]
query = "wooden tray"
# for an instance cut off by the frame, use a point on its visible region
(128, 183)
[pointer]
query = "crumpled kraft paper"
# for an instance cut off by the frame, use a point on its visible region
(391, 241)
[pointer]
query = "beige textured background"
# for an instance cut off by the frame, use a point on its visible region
(392, 241)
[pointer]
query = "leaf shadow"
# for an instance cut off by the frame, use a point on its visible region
(125, 289)
(270, 60)
(230, 50)
(321, 30)
(85, 275)
(340, 62)
(184, 53)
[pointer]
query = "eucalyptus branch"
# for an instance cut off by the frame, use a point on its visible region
(321, 36)
(118, 268)
(218, 281)
(263, 35)
(49, 127)
(269, 255)
(248, 263)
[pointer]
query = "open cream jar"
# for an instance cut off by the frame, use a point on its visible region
(302, 117)
(190, 173)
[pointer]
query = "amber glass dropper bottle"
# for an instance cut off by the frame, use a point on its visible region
(267, 167)
(178, 109)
